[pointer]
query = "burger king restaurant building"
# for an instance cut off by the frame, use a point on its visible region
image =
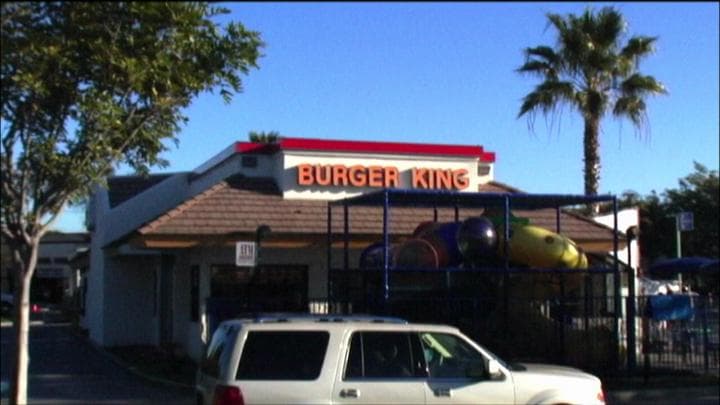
(248, 230)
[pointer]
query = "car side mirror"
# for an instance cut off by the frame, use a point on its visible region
(478, 371)
(494, 371)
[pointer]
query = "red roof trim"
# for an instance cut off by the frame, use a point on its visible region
(254, 147)
(327, 145)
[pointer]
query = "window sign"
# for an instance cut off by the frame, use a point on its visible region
(245, 254)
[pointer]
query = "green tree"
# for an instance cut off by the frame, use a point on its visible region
(657, 229)
(699, 193)
(591, 71)
(88, 86)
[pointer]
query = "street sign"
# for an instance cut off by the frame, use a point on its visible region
(686, 221)
(245, 254)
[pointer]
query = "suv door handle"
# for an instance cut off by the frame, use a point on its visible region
(442, 392)
(350, 393)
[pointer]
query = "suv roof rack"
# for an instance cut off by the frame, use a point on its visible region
(294, 317)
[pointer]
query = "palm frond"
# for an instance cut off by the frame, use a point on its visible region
(545, 53)
(639, 85)
(534, 66)
(638, 47)
(575, 44)
(546, 96)
(608, 29)
(592, 103)
(557, 21)
(633, 108)
(542, 61)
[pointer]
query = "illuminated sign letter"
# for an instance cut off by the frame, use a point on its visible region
(323, 175)
(375, 176)
(392, 177)
(420, 178)
(305, 177)
(443, 179)
(358, 177)
(460, 179)
(340, 175)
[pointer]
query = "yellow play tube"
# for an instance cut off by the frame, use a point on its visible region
(538, 247)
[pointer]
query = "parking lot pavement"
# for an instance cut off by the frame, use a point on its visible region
(67, 369)
(705, 395)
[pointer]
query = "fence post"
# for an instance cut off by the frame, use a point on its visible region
(646, 346)
(706, 357)
(563, 318)
(630, 323)
(330, 294)
(617, 288)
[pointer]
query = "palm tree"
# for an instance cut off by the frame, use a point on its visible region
(591, 71)
(264, 137)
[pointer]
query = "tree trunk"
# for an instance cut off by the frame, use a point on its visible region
(591, 145)
(26, 260)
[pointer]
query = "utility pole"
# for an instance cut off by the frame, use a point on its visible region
(678, 236)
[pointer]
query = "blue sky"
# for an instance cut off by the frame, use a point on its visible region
(445, 73)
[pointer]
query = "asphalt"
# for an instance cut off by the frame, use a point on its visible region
(74, 371)
(695, 395)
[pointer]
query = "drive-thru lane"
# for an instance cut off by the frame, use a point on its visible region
(67, 369)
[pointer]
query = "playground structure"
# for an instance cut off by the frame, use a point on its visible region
(506, 288)
(566, 307)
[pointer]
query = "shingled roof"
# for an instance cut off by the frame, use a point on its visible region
(238, 205)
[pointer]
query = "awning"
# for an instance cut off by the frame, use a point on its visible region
(669, 269)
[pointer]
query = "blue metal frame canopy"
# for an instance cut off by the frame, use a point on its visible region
(388, 198)
(670, 268)
(438, 198)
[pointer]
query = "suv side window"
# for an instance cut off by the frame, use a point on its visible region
(448, 356)
(383, 355)
(283, 355)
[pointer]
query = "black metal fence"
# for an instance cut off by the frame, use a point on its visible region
(523, 315)
(559, 317)
(528, 315)
(682, 335)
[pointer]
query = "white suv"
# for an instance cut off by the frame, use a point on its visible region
(372, 360)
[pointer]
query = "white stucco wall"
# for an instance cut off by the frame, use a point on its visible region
(131, 300)
(626, 218)
(151, 203)
(98, 207)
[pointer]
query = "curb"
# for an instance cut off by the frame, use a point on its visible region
(127, 366)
